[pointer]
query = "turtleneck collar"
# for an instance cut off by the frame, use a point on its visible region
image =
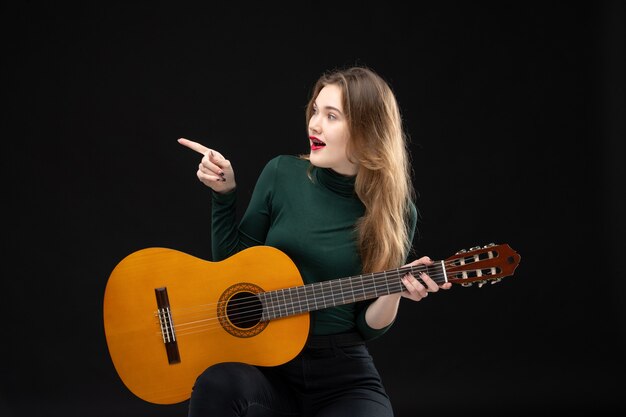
(335, 182)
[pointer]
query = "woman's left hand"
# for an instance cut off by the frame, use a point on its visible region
(415, 290)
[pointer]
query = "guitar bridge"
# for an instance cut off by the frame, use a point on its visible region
(167, 325)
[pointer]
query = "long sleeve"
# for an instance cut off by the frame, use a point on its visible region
(227, 236)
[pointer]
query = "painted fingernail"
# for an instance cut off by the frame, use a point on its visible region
(222, 173)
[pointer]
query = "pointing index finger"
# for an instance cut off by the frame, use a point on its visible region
(201, 149)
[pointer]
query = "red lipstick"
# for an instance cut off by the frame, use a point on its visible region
(316, 144)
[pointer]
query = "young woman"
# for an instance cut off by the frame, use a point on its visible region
(344, 209)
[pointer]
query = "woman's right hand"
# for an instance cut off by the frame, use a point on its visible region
(214, 170)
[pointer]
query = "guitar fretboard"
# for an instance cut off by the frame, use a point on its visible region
(319, 295)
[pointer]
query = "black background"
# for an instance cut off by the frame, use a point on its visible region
(516, 116)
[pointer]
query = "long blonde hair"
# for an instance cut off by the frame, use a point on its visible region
(378, 145)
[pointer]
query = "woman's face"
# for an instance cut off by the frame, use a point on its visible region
(328, 132)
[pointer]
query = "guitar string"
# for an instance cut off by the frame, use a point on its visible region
(203, 326)
(377, 275)
(245, 313)
(335, 284)
(256, 314)
(242, 307)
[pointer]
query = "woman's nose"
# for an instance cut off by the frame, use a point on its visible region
(314, 125)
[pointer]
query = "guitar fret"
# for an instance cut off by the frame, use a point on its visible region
(396, 284)
(270, 305)
(324, 295)
(376, 287)
(276, 304)
(336, 295)
(295, 304)
(363, 287)
(262, 298)
(315, 295)
(363, 294)
(386, 282)
(297, 307)
(306, 298)
(373, 287)
(302, 299)
(341, 291)
(288, 303)
(330, 286)
(284, 303)
(289, 290)
(352, 290)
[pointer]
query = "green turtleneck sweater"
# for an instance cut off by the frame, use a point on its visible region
(312, 220)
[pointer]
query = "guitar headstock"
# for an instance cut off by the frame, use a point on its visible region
(481, 264)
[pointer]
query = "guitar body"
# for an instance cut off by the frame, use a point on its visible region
(202, 330)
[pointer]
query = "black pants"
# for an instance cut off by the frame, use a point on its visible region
(331, 377)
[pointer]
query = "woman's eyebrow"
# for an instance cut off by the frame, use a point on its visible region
(331, 108)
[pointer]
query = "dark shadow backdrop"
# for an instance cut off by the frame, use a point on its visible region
(516, 114)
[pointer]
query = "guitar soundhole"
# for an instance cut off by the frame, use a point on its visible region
(240, 310)
(244, 310)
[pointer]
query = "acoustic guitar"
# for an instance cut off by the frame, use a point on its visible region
(169, 315)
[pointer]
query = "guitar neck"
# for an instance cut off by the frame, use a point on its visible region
(320, 295)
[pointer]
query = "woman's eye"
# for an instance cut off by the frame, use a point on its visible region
(331, 116)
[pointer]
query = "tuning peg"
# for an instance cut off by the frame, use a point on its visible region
(474, 248)
(489, 245)
(481, 283)
(496, 280)
(467, 284)
(461, 251)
